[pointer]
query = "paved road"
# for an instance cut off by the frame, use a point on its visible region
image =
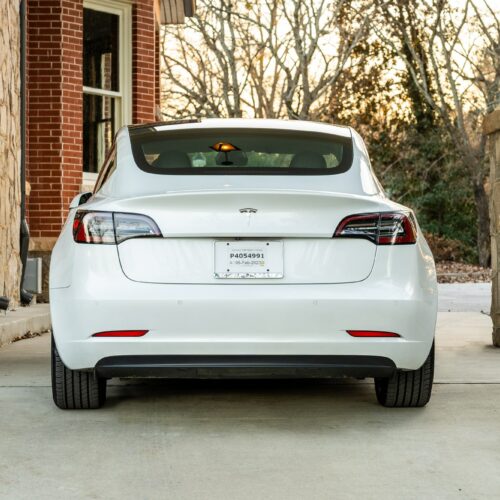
(250, 440)
(462, 297)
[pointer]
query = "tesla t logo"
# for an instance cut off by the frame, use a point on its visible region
(248, 212)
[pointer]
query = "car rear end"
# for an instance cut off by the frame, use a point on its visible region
(223, 270)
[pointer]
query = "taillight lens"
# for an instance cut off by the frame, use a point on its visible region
(94, 227)
(396, 229)
(371, 334)
(385, 228)
(121, 333)
(111, 228)
(134, 226)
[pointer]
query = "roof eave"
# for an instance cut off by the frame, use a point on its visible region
(175, 11)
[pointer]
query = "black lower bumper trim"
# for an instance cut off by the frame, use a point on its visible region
(237, 366)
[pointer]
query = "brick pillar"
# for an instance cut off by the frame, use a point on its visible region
(157, 75)
(54, 113)
(491, 128)
(54, 120)
(143, 62)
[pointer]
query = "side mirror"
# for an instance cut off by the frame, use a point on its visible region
(79, 199)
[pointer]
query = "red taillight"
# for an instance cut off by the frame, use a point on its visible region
(371, 333)
(359, 226)
(111, 228)
(122, 333)
(385, 228)
(94, 227)
(396, 229)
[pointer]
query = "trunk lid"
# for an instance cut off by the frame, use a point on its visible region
(193, 222)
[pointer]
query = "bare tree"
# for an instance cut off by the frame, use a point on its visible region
(452, 56)
(277, 58)
(201, 66)
(264, 59)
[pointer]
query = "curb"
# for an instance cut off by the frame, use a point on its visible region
(18, 323)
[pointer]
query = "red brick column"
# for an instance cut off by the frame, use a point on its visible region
(54, 111)
(143, 62)
(157, 72)
(54, 114)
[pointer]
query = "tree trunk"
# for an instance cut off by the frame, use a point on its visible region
(483, 223)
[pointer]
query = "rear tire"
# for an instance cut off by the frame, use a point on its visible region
(74, 389)
(406, 389)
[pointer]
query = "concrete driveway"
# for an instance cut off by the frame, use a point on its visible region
(278, 440)
(465, 297)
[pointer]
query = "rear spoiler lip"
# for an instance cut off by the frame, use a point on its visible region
(378, 203)
(273, 191)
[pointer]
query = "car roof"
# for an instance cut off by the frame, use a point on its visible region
(245, 123)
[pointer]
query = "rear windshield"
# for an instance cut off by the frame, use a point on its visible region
(240, 151)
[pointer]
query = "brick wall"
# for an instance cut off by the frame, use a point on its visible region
(10, 148)
(157, 75)
(143, 62)
(54, 142)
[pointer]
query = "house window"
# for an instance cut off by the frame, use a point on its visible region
(106, 78)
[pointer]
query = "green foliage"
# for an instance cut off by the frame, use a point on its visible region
(410, 148)
(423, 172)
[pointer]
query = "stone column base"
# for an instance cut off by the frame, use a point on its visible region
(496, 336)
(491, 128)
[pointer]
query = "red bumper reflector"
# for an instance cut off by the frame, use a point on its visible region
(122, 333)
(370, 333)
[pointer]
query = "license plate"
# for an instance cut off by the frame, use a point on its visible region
(248, 259)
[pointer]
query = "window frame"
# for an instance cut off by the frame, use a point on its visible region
(123, 97)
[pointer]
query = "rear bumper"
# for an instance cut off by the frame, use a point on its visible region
(244, 366)
(246, 319)
(260, 320)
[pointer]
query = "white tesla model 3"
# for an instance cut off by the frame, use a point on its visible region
(237, 248)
